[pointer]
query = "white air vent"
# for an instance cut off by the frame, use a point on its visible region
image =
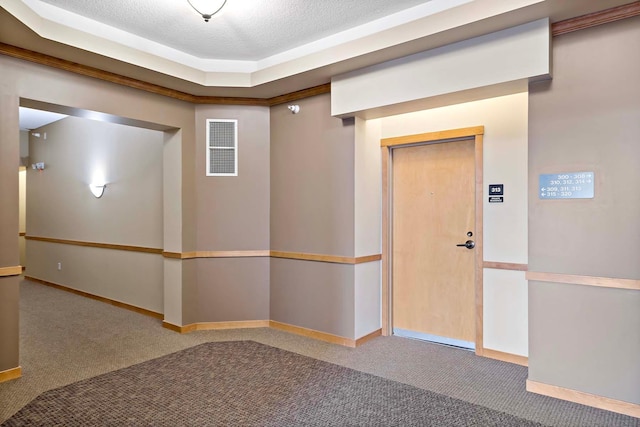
(222, 147)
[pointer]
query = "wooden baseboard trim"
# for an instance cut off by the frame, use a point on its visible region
(98, 298)
(172, 327)
(310, 333)
(505, 266)
(10, 374)
(588, 399)
(212, 326)
(15, 270)
(209, 326)
(505, 357)
(368, 337)
(603, 282)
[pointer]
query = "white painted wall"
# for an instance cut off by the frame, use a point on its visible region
(505, 162)
(367, 197)
(368, 298)
(506, 311)
(516, 54)
(367, 226)
(22, 212)
(505, 225)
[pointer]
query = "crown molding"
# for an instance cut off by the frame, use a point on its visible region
(562, 27)
(84, 70)
(597, 18)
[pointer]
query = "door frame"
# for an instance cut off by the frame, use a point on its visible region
(387, 145)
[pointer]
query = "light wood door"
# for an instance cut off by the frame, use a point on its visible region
(433, 209)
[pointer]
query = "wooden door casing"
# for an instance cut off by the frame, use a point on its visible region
(433, 190)
(387, 144)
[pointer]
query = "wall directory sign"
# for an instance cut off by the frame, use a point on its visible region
(569, 185)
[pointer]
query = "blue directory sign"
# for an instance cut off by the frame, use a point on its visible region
(570, 185)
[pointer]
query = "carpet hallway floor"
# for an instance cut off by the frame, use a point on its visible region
(245, 383)
(66, 338)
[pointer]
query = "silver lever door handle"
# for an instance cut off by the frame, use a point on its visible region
(469, 244)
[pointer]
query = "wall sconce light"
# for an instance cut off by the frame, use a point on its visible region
(207, 8)
(295, 109)
(97, 190)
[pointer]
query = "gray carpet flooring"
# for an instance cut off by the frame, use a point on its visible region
(66, 338)
(244, 383)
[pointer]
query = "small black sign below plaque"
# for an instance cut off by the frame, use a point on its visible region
(496, 189)
(496, 199)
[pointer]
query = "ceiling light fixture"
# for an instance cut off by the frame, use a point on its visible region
(207, 8)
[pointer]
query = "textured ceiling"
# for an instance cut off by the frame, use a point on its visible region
(244, 30)
(257, 48)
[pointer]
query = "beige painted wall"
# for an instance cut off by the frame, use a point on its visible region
(175, 232)
(76, 151)
(312, 211)
(228, 289)
(9, 226)
(233, 212)
(24, 148)
(232, 215)
(505, 224)
(33, 82)
(60, 205)
(314, 295)
(312, 181)
(9, 322)
(132, 278)
(9, 187)
(587, 119)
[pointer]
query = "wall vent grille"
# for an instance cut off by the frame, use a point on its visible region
(222, 147)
